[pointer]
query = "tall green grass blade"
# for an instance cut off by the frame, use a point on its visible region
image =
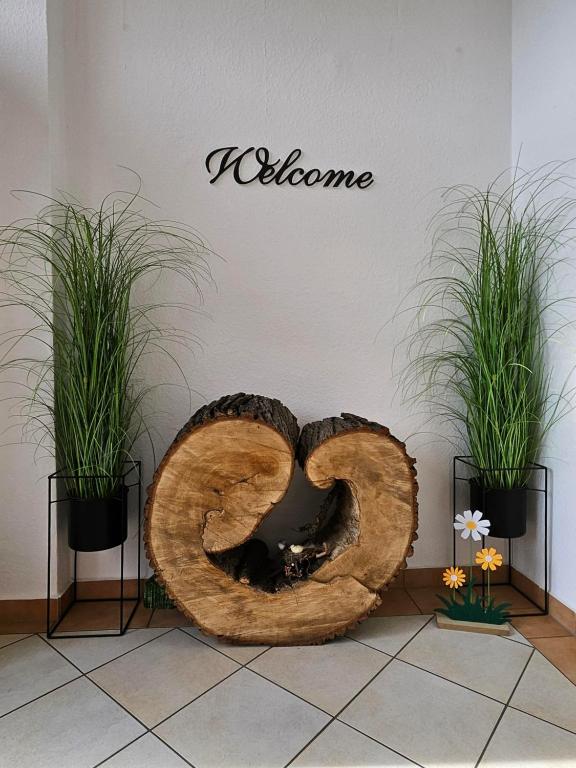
(76, 270)
(478, 344)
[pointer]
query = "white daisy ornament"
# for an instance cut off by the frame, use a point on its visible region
(472, 524)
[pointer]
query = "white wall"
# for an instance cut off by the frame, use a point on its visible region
(24, 164)
(544, 129)
(409, 90)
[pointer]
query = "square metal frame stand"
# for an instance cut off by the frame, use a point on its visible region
(132, 479)
(538, 472)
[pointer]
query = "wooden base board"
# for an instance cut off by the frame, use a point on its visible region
(30, 615)
(444, 622)
(24, 616)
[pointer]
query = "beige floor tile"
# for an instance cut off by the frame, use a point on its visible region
(87, 653)
(245, 722)
(424, 717)
(561, 651)
(388, 633)
(29, 669)
(340, 746)
(521, 741)
(76, 726)
(488, 664)
(396, 602)
(240, 653)
(155, 680)
(539, 626)
(516, 636)
(9, 639)
(545, 692)
(327, 676)
(169, 617)
(147, 752)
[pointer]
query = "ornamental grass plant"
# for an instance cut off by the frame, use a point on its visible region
(76, 270)
(478, 346)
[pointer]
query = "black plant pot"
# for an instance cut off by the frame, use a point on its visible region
(98, 524)
(506, 508)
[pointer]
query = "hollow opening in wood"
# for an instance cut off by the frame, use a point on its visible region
(295, 556)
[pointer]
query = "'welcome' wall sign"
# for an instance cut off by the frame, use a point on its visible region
(225, 159)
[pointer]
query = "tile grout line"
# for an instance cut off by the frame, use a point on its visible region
(248, 669)
(13, 642)
(373, 647)
(553, 664)
(380, 743)
(170, 747)
(308, 743)
(542, 719)
(513, 640)
(85, 675)
(131, 714)
(109, 696)
(109, 757)
(335, 717)
(286, 690)
(436, 674)
(117, 752)
(93, 669)
(130, 743)
(223, 653)
(390, 658)
(245, 666)
(176, 711)
(447, 680)
(471, 690)
(240, 667)
(504, 709)
(41, 696)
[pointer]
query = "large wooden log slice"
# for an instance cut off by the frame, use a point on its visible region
(225, 472)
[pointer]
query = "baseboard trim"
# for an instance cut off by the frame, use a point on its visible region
(30, 615)
(25, 616)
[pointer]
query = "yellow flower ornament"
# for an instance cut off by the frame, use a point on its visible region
(488, 558)
(454, 577)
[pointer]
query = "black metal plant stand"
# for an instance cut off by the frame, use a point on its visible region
(131, 478)
(539, 473)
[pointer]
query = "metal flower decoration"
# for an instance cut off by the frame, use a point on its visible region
(472, 524)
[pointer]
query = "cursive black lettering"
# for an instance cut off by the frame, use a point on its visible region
(226, 163)
(267, 171)
(231, 159)
(365, 180)
(290, 160)
(309, 179)
(291, 176)
(335, 178)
